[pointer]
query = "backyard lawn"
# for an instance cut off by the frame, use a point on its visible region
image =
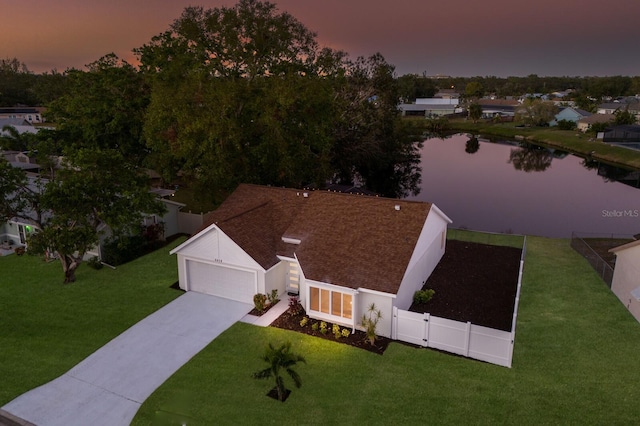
(47, 327)
(575, 362)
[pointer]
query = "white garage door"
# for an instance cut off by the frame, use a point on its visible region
(221, 281)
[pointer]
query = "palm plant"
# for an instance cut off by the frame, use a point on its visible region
(370, 322)
(279, 359)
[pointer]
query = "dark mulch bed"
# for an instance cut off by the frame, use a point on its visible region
(474, 282)
(258, 313)
(358, 339)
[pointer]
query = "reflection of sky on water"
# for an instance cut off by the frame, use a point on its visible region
(484, 192)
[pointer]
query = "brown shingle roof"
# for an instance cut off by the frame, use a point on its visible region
(255, 217)
(348, 240)
(597, 118)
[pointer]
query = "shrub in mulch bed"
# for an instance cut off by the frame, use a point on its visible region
(291, 321)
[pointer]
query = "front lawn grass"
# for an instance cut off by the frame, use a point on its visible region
(47, 327)
(575, 362)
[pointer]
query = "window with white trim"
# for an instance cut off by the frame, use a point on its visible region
(331, 302)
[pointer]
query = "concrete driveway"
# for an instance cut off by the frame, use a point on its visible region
(108, 387)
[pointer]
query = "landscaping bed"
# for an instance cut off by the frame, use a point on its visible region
(474, 282)
(358, 339)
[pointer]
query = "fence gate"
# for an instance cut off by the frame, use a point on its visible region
(411, 327)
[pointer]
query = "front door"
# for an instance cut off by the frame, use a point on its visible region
(293, 278)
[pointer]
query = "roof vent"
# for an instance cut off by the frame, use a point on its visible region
(305, 195)
(398, 207)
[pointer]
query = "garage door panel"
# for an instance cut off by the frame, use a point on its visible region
(231, 283)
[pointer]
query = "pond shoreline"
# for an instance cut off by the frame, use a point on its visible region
(573, 142)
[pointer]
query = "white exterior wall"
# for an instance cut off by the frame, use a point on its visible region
(426, 255)
(214, 246)
(9, 231)
(384, 302)
(626, 278)
(276, 279)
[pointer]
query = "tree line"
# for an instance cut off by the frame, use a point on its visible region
(595, 89)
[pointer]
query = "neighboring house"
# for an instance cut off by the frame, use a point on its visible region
(492, 108)
(569, 114)
(585, 123)
(430, 107)
(613, 107)
(339, 252)
(447, 94)
(428, 110)
(626, 275)
(21, 126)
(17, 230)
(20, 160)
(29, 114)
(169, 221)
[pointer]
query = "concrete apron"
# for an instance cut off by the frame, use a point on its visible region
(108, 387)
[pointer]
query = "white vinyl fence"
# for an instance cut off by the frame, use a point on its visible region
(190, 223)
(466, 339)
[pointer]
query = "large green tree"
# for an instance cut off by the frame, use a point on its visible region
(240, 93)
(245, 94)
(475, 112)
(624, 116)
(373, 146)
(412, 86)
(536, 112)
(94, 190)
(103, 108)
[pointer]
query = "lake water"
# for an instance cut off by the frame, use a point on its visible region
(485, 191)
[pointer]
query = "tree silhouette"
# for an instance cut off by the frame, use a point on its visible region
(472, 146)
(530, 159)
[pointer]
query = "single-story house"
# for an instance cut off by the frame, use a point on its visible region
(29, 114)
(21, 160)
(569, 114)
(626, 275)
(613, 107)
(492, 108)
(585, 123)
(338, 252)
(428, 110)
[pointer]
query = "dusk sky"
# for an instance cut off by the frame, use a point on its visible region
(451, 37)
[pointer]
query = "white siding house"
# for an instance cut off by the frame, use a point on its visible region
(339, 252)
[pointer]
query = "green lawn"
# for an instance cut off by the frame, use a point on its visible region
(47, 327)
(575, 362)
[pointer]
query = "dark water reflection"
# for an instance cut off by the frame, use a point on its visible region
(505, 187)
